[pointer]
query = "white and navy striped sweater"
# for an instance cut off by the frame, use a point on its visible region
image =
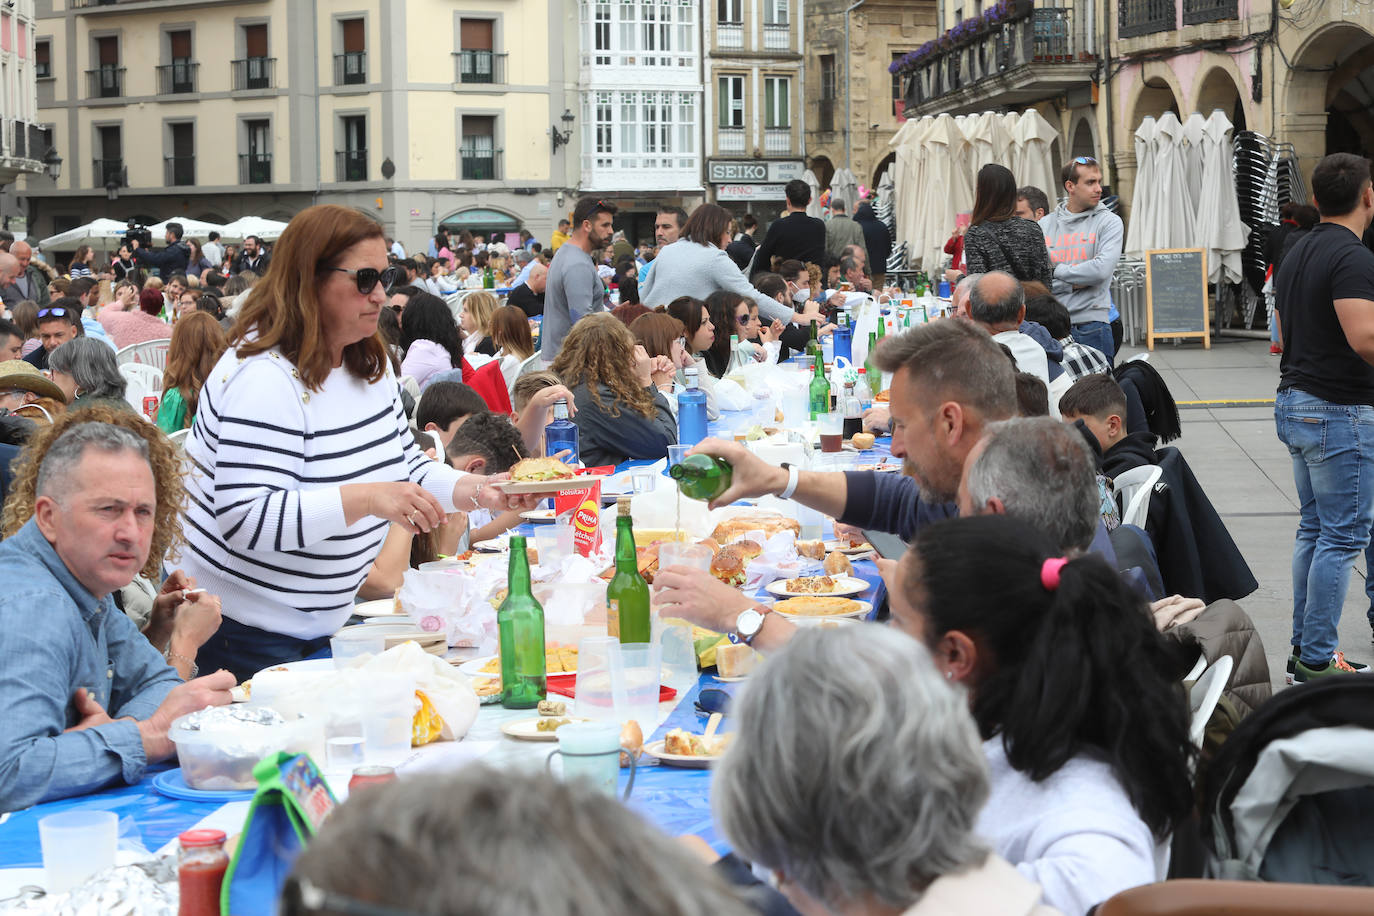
(265, 525)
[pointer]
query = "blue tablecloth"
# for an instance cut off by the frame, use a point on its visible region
(675, 799)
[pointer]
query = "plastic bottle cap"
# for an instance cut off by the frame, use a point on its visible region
(195, 838)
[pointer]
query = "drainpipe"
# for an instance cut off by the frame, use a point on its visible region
(848, 97)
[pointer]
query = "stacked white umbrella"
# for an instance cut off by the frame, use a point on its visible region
(1194, 129)
(844, 186)
(1032, 158)
(1175, 222)
(1219, 227)
(1140, 232)
(812, 182)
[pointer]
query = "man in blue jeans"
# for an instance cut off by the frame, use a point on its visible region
(1324, 409)
(1084, 241)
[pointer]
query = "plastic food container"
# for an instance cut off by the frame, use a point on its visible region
(218, 747)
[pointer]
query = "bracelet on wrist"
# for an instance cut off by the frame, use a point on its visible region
(173, 657)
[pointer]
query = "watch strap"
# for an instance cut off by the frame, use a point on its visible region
(793, 476)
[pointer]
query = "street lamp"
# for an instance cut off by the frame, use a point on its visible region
(564, 136)
(52, 163)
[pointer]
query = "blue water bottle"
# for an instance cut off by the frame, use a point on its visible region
(691, 411)
(561, 433)
(944, 289)
(844, 342)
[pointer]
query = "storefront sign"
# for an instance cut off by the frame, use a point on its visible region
(750, 192)
(721, 171)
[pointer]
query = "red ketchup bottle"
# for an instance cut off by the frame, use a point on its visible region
(201, 864)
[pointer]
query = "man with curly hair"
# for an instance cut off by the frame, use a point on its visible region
(88, 699)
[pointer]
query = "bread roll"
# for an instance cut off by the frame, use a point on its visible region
(837, 564)
(632, 737)
(735, 660)
(728, 567)
(862, 441)
(770, 523)
(748, 549)
(814, 550)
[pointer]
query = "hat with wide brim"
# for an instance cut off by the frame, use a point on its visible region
(16, 373)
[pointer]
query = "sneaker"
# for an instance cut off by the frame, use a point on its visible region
(1275, 349)
(1338, 665)
(1292, 663)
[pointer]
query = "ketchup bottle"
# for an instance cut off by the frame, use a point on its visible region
(201, 864)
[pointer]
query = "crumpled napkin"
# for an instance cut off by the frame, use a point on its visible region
(451, 601)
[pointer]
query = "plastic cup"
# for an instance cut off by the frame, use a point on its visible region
(345, 752)
(387, 718)
(679, 653)
(353, 648)
(76, 845)
(643, 480)
(696, 556)
(676, 453)
(591, 754)
(600, 686)
(643, 673)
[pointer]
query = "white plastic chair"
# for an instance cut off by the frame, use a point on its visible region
(148, 353)
(1204, 695)
(532, 364)
(1134, 487)
(142, 380)
(179, 438)
(1198, 667)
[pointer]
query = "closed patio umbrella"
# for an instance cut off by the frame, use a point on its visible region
(1140, 232)
(1219, 226)
(1175, 224)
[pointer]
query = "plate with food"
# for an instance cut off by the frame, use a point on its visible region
(823, 623)
(538, 728)
(382, 607)
(541, 475)
(498, 544)
(556, 661)
(304, 666)
(538, 516)
(680, 748)
(817, 585)
(849, 546)
(821, 606)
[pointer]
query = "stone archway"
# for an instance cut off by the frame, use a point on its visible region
(1083, 139)
(1220, 89)
(1321, 98)
(1154, 98)
(883, 166)
(824, 170)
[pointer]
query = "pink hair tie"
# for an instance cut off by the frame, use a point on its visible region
(1049, 572)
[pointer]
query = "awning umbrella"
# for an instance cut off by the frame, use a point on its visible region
(100, 233)
(190, 229)
(268, 230)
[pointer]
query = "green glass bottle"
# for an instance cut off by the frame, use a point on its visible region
(875, 377)
(702, 476)
(520, 625)
(882, 324)
(813, 343)
(627, 594)
(820, 391)
(488, 278)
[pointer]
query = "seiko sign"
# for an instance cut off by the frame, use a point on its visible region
(726, 171)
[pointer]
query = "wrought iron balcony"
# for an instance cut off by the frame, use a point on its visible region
(177, 77)
(104, 171)
(106, 82)
(730, 140)
(480, 164)
(255, 168)
(253, 73)
(179, 170)
(1047, 51)
(350, 68)
(350, 165)
(480, 67)
(1199, 11)
(730, 35)
(777, 141)
(777, 36)
(1145, 17)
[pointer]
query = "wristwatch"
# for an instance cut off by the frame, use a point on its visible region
(749, 623)
(793, 477)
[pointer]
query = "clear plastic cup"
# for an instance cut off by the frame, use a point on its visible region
(643, 480)
(76, 845)
(643, 673)
(351, 648)
(679, 653)
(599, 691)
(676, 453)
(696, 556)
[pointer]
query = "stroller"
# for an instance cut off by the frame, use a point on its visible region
(1290, 795)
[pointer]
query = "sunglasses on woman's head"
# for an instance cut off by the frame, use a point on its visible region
(367, 278)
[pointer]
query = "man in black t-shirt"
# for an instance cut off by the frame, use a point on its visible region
(1324, 409)
(529, 296)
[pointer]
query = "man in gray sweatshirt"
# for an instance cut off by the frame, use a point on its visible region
(573, 288)
(1084, 241)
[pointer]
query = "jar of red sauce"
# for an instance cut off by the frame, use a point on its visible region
(201, 864)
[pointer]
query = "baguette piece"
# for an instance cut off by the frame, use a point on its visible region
(837, 564)
(735, 660)
(814, 550)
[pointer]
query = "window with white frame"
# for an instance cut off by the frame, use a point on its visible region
(655, 33)
(729, 11)
(775, 12)
(777, 102)
(601, 28)
(730, 101)
(645, 129)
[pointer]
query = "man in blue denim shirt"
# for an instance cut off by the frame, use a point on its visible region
(67, 654)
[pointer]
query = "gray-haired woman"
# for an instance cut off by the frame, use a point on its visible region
(856, 776)
(87, 372)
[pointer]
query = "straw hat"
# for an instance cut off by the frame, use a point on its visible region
(16, 373)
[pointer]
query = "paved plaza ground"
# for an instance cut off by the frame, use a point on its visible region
(1230, 443)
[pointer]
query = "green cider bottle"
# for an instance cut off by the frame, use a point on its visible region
(875, 377)
(520, 625)
(627, 594)
(813, 343)
(702, 476)
(819, 401)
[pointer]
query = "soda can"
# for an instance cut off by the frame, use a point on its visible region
(370, 776)
(150, 406)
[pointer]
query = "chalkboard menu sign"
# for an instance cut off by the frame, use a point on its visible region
(1176, 295)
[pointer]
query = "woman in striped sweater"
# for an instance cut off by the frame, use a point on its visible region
(301, 452)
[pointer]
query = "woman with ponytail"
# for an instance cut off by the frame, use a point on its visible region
(1085, 729)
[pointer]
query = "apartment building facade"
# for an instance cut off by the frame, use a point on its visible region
(753, 118)
(853, 104)
(640, 80)
(419, 113)
(23, 143)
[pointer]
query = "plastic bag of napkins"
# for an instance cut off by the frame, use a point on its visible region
(450, 601)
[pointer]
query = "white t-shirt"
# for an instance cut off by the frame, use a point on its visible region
(1076, 833)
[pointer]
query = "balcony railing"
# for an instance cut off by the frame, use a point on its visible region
(1050, 35)
(106, 82)
(730, 35)
(255, 168)
(253, 73)
(825, 115)
(777, 36)
(730, 139)
(1144, 17)
(480, 67)
(480, 164)
(179, 170)
(777, 141)
(350, 165)
(350, 68)
(105, 170)
(1199, 11)
(177, 77)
